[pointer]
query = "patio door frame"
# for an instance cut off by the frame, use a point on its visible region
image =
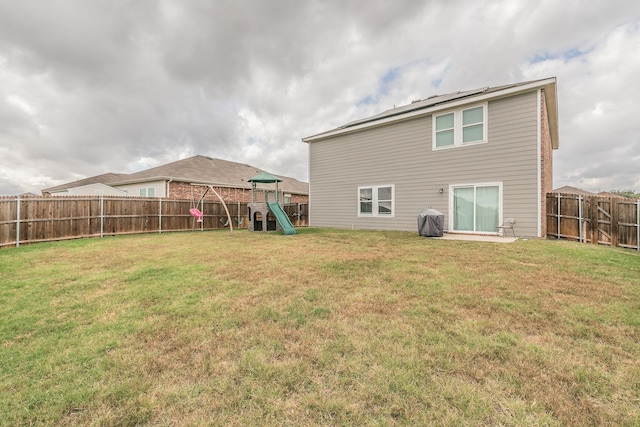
(474, 185)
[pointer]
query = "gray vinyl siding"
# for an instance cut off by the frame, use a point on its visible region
(381, 156)
(401, 154)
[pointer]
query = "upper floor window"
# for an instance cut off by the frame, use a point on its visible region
(376, 200)
(460, 127)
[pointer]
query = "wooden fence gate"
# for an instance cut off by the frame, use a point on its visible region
(594, 219)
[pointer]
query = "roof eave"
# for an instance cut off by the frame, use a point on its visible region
(550, 82)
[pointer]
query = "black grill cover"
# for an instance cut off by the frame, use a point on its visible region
(431, 223)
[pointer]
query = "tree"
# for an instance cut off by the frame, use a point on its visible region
(626, 193)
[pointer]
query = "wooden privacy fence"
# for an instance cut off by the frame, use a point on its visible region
(43, 219)
(594, 219)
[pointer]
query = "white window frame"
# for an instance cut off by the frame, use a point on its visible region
(147, 191)
(457, 127)
(375, 202)
(475, 185)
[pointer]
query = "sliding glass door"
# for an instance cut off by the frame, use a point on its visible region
(476, 208)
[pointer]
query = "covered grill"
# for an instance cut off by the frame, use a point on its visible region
(431, 223)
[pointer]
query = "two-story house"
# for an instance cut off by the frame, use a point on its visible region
(477, 156)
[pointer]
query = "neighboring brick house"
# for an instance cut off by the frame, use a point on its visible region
(184, 179)
(477, 156)
(573, 190)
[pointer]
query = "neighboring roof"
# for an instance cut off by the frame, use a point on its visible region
(439, 102)
(573, 190)
(96, 188)
(609, 194)
(105, 178)
(195, 170)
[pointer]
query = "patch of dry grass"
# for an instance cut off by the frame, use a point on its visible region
(322, 328)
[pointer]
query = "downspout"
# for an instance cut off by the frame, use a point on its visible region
(166, 193)
(539, 162)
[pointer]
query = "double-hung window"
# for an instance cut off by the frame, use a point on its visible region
(147, 192)
(376, 200)
(460, 127)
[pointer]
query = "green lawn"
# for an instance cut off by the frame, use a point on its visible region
(322, 328)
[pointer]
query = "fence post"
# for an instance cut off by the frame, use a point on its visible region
(160, 216)
(203, 210)
(593, 219)
(101, 216)
(614, 222)
(18, 221)
(558, 230)
(638, 226)
(580, 219)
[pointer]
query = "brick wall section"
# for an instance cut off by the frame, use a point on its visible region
(299, 198)
(546, 158)
(184, 190)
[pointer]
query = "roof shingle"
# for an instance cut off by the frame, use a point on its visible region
(197, 169)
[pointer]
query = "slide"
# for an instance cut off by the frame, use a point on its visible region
(282, 218)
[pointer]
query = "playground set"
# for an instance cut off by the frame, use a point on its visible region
(265, 211)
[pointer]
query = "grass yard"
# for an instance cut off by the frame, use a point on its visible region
(325, 327)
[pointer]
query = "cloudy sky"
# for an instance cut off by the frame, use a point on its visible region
(88, 87)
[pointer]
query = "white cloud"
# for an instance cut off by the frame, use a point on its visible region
(21, 104)
(115, 86)
(597, 95)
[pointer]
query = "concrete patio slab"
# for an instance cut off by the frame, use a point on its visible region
(476, 238)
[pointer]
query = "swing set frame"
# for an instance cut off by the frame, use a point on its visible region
(197, 208)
